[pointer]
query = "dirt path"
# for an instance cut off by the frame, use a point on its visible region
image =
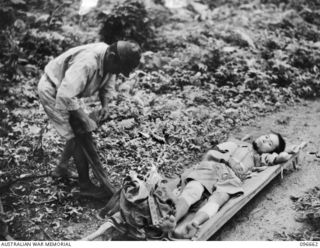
(271, 210)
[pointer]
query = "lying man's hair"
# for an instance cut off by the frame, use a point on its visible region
(282, 144)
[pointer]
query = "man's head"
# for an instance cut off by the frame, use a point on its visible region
(269, 143)
(122, 57)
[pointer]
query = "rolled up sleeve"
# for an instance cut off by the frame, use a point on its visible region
(108, 91)
(72, 85)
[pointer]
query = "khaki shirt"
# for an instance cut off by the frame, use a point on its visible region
(78, 73)
(240, 156)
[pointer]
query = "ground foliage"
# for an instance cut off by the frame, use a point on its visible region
(210, 67)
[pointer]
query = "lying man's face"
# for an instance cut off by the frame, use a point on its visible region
(266, 143)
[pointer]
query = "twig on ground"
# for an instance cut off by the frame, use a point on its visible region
(44, 202)
(5, 186)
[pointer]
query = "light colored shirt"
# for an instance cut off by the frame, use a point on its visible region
(79, 72)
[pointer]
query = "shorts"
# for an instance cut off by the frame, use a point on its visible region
(59, 118)
(214, 176)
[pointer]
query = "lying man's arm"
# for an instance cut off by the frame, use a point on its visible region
(221, 152)
(213, 155)
(267, 159)
(281, 158)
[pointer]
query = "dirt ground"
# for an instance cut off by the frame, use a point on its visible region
(271, 211)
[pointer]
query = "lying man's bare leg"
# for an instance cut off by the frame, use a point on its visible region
(190, 195)
(216, 200)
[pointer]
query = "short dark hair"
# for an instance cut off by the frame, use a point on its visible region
(129, 62)
(113, 48)
(282, 144)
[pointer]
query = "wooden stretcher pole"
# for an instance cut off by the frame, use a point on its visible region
(102, 229)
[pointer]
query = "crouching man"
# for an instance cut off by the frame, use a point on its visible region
(81, 72)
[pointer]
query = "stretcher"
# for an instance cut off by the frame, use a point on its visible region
(252, 186)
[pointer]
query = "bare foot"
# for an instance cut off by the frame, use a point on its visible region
(187, 231)
(191, 230)
(168, 223)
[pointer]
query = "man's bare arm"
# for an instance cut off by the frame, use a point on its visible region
(104, 99)
(282, 157)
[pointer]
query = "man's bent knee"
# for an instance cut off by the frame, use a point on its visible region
(216, 200)
(219, 197)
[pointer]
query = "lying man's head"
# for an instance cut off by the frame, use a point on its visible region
(269, 143)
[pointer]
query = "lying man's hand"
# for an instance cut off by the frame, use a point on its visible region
(282, 157)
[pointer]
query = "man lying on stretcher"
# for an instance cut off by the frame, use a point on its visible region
(219, 176)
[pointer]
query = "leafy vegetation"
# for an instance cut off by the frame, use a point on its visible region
(202, 74)
(128, 20)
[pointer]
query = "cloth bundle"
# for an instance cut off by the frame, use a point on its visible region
(137, 207)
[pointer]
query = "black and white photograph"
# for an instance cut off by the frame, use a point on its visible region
(171, 121)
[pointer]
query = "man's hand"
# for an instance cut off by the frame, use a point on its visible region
(81, 122)
(282, 157)
(89, 124)
(103, 114)
(99, 116)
